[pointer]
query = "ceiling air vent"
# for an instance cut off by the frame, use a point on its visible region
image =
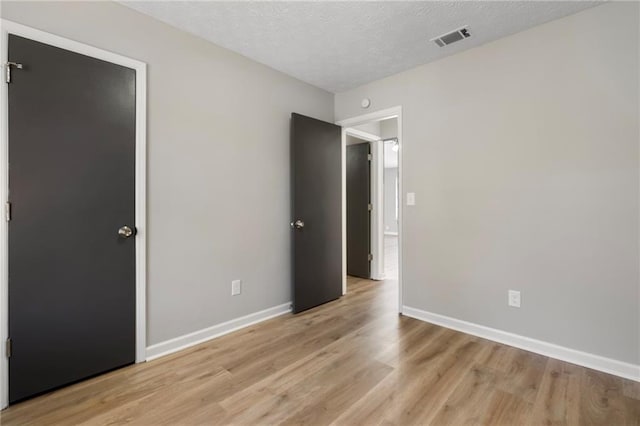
(452, 37)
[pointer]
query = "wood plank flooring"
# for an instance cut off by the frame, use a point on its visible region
(353, 361)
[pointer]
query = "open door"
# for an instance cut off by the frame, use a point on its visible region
(316, 170)
(359, 210)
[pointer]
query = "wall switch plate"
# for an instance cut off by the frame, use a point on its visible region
(411, 198)
(514, 298)
(236, 287)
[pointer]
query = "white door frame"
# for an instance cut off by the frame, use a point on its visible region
(9, 27)
(394, 112)
(376, 230)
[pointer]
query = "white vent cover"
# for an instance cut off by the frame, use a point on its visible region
(451, 37)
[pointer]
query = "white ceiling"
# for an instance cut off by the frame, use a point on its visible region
(340, 45)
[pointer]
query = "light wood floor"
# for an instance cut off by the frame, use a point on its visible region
(353, 361)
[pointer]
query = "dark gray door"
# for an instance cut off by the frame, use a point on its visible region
(316, 157)
(358, 213)
(71, 188)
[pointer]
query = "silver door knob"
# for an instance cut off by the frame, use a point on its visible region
(125, 232)
(298, 224)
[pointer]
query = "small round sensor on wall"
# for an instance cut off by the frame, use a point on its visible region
(366, 102)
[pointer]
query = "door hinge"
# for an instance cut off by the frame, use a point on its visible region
(369, 206)
(370, 257)
(7, 211)
(8, 348)
(369, 157)
(7, 67)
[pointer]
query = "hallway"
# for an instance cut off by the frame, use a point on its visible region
(391, 256)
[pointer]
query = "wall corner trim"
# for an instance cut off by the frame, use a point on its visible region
(584, 359)
(191, 339)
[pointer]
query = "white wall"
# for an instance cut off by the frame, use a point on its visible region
(523, 154)
(390, 191)
(389, 129)
(218, 163)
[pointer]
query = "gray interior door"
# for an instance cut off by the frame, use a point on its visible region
(316, 168)
(72, 189)
(358, 213)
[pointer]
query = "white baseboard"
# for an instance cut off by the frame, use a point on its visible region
(200, 336)
(585, 359)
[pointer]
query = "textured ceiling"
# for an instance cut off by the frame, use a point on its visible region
(340, 45)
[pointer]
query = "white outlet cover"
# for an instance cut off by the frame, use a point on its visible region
(514, 298)
(411, 198)
(236, 287)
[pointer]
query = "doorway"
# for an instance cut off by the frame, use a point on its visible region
(75, 217)
(379, 134)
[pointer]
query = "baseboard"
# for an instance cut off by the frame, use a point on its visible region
(182, 342)
(585, 359)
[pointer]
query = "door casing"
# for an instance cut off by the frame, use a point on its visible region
(9, 27)
(377, 222)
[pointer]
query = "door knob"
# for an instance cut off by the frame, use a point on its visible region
(298, 224)
(125, 232)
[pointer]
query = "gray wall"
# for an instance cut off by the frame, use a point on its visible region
(372, 128)
(352, 140)
(389, 128)
(390, 188)
(218, 163)
(523, 154)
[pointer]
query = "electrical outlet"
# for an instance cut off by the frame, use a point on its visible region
(411, 198)
(514, 298)
(236, 287)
